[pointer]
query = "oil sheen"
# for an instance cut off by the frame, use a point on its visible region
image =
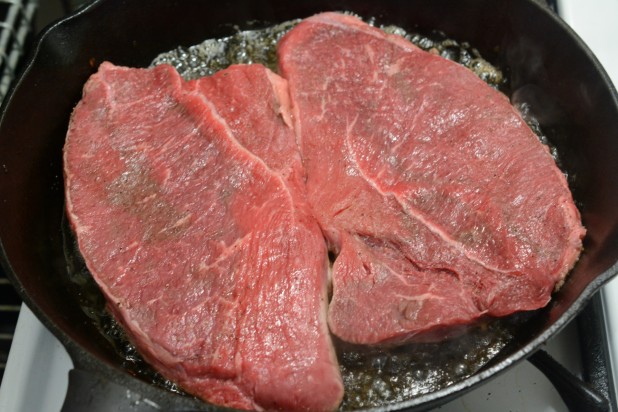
(372, 376)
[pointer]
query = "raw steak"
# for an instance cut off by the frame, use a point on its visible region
(188, 206)
(439, 201)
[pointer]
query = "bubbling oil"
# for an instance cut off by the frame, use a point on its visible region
(372, 376)
(260, 46)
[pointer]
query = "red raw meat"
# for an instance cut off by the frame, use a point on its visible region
(188, 204)
(441, 204)
(200, 208)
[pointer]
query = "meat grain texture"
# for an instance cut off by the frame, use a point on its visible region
(201, 210)
(188, 209)
(441, 204)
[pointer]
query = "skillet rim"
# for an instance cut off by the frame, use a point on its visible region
(427, 400)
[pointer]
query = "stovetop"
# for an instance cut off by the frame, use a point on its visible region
(36, 376)
(37, 356)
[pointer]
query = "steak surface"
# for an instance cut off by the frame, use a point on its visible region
(441, 204)
(188, 204)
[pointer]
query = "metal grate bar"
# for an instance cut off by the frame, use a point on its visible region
(9, 312)
(16, 24)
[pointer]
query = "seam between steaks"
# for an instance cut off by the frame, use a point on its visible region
(246, 151)
(238, 361)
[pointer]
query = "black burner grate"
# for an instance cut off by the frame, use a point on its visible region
(9, 311)
(16, 17)
(16, 24)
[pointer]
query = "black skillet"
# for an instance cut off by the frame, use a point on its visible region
(548, 66)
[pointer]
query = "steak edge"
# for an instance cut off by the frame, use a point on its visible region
(440, 202)
(203, 246)
(189, 203)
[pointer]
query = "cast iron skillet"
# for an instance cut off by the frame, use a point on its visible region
(549, 66)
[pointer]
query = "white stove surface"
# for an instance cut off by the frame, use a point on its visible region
(38, 366)
(36, 375)
(595, 22)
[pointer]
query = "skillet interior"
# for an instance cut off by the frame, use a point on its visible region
(547, 63)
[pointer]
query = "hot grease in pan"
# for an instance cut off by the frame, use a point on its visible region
(376, 243)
